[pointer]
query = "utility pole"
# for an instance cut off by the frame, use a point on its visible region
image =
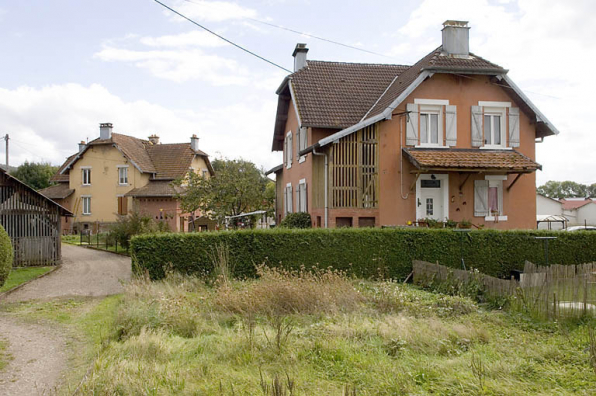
(6, 138)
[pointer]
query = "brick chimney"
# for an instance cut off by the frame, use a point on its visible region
(300, 56)
(456, 38)
(194, 142)
(154, 139)
(105, 131)
(82, 146)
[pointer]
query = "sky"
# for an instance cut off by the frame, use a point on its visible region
(68, 65)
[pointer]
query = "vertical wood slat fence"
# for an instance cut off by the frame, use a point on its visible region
(354, 170)
(556, 291)
(32, 223)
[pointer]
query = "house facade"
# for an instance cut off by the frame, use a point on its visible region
(115, 174)
(450, 137)
(579, 211)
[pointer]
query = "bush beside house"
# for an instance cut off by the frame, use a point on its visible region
(362, 252)
(296, 220)
(6, 255)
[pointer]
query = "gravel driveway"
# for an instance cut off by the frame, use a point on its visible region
(39, 351)
(84, 272)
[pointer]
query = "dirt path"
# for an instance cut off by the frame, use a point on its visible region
(84, 272)
(38, 356)
(39, 352)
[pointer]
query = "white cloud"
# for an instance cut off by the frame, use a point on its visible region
(47, 123)
(546, 46)
(193, 38)
(180, 65)
(214, 11)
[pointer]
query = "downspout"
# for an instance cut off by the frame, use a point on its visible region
(314, 151)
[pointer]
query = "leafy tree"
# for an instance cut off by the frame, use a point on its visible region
(237, 187)
(35, 175)
(567, 189)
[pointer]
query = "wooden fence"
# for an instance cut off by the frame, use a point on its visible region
(556, 291)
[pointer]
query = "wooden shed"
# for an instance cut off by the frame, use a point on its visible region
(32, 222)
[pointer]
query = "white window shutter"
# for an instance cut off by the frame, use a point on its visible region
(451, 125)
(477, 126)
(303, 205)
(286, 200)
(480, 198)
(290, 206)
(286, 151)
(514, 127)
(412, 124)
(290, 148)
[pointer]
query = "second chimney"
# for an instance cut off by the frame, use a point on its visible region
(105, 131)
(81, 146)
(300, 56)
(154, 139)
(456, 38)
(194, 142)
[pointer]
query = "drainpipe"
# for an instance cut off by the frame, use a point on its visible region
(314, 151)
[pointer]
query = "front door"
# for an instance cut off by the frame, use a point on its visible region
(431, 192)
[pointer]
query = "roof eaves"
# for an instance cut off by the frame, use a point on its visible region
(275, 169)
(130, 159)
(295, 102)
(379, 98)
(539, 116)
(466, 70)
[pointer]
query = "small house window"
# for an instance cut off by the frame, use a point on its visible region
(429, 128)
(492, 130)
(86, 205)
(301, 197)
(123, 175)
(86, 176)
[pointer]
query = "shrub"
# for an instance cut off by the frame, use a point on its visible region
(362, 252)
(296, 220)
(133, 224)
(6, 255)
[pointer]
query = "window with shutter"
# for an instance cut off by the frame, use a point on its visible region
(450, 125)
(481, 198)
(514, 127)
(431, 123)
(288, 150)
(301, 198)
(488, 198)
(412, 124)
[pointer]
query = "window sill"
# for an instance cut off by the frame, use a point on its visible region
(431, 146)
(123, 185)
(498, 218)
(85, 185)
(302, 159)
(495, 148)
(86, 214)
(288, 166)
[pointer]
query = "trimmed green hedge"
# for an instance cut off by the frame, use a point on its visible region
(6, 255)
(363, 252)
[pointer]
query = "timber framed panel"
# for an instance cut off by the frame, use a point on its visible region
(32, 222)
(354, 170)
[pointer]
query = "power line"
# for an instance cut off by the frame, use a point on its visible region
(305, 34)
(221, 37)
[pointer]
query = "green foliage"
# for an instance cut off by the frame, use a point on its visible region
(297, 220)
(567, 189)
(237, 187)
(6, 255)
(364, 252)
(19, 276)
(35, 175)
(133, 224)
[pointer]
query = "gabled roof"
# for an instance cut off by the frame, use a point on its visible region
(164, 161)
(351, 96)
(332, 95)
(569, 204)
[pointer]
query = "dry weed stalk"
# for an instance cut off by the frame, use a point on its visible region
(223, 269)
(277, 387)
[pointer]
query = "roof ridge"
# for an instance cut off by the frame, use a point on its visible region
(358, 63)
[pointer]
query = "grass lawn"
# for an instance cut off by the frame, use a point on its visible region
(19, 276)
(4, 358)
(322, 334)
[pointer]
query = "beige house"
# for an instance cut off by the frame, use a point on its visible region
(115, 173)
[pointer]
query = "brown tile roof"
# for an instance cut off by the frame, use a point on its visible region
(336, 94)
(159, 188)
(59, 191)
(575, 203)
(165, 161)
(171, 160)
(472, 159)
(435, 60)
(60, 178)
